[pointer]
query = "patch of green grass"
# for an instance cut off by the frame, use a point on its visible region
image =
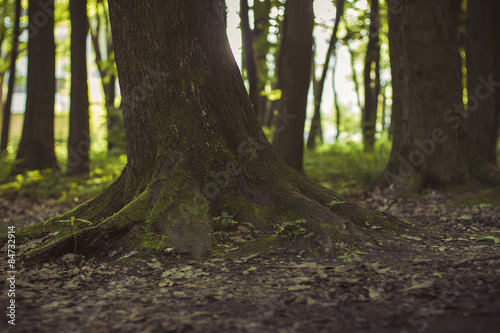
(345, 167)
(54, 184)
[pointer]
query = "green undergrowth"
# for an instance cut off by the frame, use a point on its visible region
(345, 167)
(105, 168)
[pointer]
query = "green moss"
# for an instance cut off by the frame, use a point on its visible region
(153, 242)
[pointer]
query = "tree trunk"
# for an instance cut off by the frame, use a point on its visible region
(294, 77)
(107, 73)
(371, 79)
(430, 145)
(36, 149)
(249, 60)
(336, 101)
(195, 148)
(496, 64)
(315, 129)
(482, 121)
(355, 77)
(12, 78)
(261, 11)
(79, 130)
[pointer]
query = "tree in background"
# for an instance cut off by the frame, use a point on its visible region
(294, 77)
(16, 31)
(79, 128)
(36, 149)
(371, 79)
(430, 145)
(105, 61)
(194, 145)
(249, 59)
(480, 39)
(319, 85)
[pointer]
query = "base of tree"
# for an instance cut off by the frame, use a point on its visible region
(176, 212)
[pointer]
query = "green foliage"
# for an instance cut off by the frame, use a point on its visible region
(352, 255)
(226, 222)
(494, 239)
(334, 202)
(293, 228)
(53, 184)
(345, 167)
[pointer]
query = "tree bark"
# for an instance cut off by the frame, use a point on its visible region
(371, 79)
(36, 149)
(495, 12)
(430, 145)
(194, 147)
(79, 128)
(12, 78)
(315, 129)
(479, 56)
(294, 77)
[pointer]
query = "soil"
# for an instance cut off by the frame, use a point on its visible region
(448, 282)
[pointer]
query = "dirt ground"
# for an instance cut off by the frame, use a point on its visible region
(449, 282)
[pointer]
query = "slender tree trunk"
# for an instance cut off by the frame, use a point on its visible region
(482, 121)
(106, 70)
(355, 77)
(315, 128)
(12, 78)
(195, 148)
(249, 60)
(430, 145)
(36, 149)
(261, 11)
(335, 100)
(384, 109)
(79, 129)
(371, 79)
(294, 76)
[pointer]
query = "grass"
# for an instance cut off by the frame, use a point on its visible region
(345, 167)
(54, 184)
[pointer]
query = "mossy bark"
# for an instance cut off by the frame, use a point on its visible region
(195, 148)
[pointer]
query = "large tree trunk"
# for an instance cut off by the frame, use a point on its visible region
(430, 145)
(482, 123)
(194, 146)
(371, 79)
(12, 77)
(294, 77)
(36, 149)
(79, 130)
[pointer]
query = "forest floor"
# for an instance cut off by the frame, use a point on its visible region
(449, 282)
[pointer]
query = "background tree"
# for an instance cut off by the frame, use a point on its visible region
(483, 124)
(315, 129)
(249, 60)
(16, 30)
(79, 125)
(36, 149)
(371, 79)
(430, 146)
(104, 59)
(194, 146)
(294, 76)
